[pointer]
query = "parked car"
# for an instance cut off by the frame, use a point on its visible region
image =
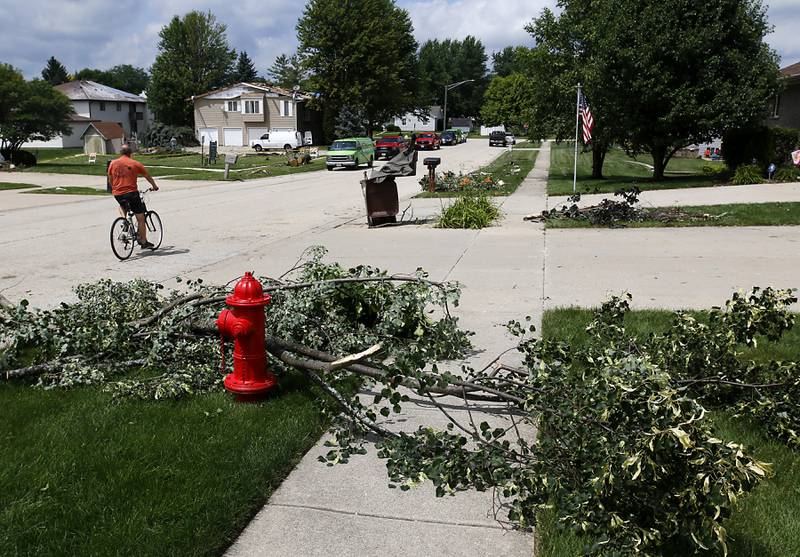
(449, 137)
(510, 139)
(497, 138)
(389, 145)
(461, 135)
(277, 140)
(427, 140)
(351, 152)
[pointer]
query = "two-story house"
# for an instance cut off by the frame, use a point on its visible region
(785, 107)
(236, 115)
(94, 102)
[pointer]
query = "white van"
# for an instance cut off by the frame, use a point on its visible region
(276, 139)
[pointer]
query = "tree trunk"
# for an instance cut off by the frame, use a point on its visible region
(599, 150)
(659, 162)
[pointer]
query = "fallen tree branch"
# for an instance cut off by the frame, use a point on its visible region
(38, 369)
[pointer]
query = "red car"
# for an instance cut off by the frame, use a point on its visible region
(389, 145)
(428, 140)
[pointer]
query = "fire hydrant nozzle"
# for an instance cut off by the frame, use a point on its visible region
(244, 323)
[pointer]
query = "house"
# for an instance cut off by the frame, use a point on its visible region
(238, 114)
(785, 109)
(94, 102)
(463, 124)
(103, 138)
(430, 121)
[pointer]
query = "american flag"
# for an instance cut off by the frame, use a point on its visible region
(586, 118)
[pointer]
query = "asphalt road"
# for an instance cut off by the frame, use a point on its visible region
(49, 243)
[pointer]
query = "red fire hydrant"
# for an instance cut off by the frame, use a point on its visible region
(245, 325)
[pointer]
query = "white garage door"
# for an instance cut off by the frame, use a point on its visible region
(211, 134)
(255, 133)
(233, 137)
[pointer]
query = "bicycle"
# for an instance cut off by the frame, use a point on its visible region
(125, 235)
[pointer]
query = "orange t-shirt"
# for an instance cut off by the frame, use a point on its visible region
(123, 173)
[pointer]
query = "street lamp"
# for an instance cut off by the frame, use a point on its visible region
(446, 89)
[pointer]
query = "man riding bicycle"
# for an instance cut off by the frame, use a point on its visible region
(123, 173)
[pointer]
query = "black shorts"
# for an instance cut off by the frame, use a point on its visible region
(132, 202)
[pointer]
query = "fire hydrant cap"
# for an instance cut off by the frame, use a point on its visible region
(248, 292)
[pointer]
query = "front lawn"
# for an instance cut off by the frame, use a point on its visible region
(765, 524)
(83, 475)
(743, 214)
(501, 169)
(622, 171)
(15, 186)
(71, 190)
(182, 166)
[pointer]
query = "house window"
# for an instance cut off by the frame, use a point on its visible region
(404, 121)
(252, 107)
(776, 107)
(119, 107)
(286, 108)
(102, 105)
(232, 106)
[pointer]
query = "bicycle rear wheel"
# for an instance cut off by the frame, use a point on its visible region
(122, 238)
(155, 233)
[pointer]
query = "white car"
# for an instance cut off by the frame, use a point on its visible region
(510, 139)
(277, 140)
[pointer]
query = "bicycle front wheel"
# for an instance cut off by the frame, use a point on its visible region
(155, 233)
(122, 238)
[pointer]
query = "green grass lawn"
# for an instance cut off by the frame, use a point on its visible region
(745, 214)
(183, 166)
(71, 190)
(500, 169)
(49, 153)
(15, 186)
(622, 171)
(766, 524)
(82, 475)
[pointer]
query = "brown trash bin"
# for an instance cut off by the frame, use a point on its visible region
(381, 200)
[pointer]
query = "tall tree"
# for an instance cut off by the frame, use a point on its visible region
(54, 72)
(506, 101)
(451, 61)
(509, 60)
(360, 52)
(194, 57)
(245, 69)
(288, 71)
(30, 110)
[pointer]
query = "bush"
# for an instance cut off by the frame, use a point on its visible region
(748, 174)
(159, 135)
(761, 145)
(787, 174)
(392, 128)
(474, 210)
(450, 181)
(19, 157)
(784, 141)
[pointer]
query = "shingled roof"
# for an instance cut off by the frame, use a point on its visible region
(109, 130)
(791, 71)
(85, 90)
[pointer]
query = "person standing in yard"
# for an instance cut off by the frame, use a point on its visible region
(124, 173)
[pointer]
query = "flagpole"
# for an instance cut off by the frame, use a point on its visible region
(577, 114)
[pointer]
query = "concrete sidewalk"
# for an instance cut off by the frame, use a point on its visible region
(348, 509)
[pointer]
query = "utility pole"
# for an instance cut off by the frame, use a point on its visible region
(446, 89)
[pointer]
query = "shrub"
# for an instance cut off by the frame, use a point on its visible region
(392, 128)
(787, 174)
(761, 145)
(747, 174)
(450, 181)
(19, 157)
(784, 141)
(159, 135)
(474, 210)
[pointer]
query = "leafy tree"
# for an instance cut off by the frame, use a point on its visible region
(657, 76)
(359, 52)
(194, 57)
(54, 72)
(451, 61)
(245, 69)
(123, 77)
(30, 110)
(288, 71)
(506, 101)
(509, 60)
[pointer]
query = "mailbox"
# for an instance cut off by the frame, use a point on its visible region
(432, 163)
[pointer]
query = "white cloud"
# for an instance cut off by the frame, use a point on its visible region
(101, 34)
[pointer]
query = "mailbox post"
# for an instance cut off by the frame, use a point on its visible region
(432, 163)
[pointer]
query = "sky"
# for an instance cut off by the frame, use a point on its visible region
(101, 34)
